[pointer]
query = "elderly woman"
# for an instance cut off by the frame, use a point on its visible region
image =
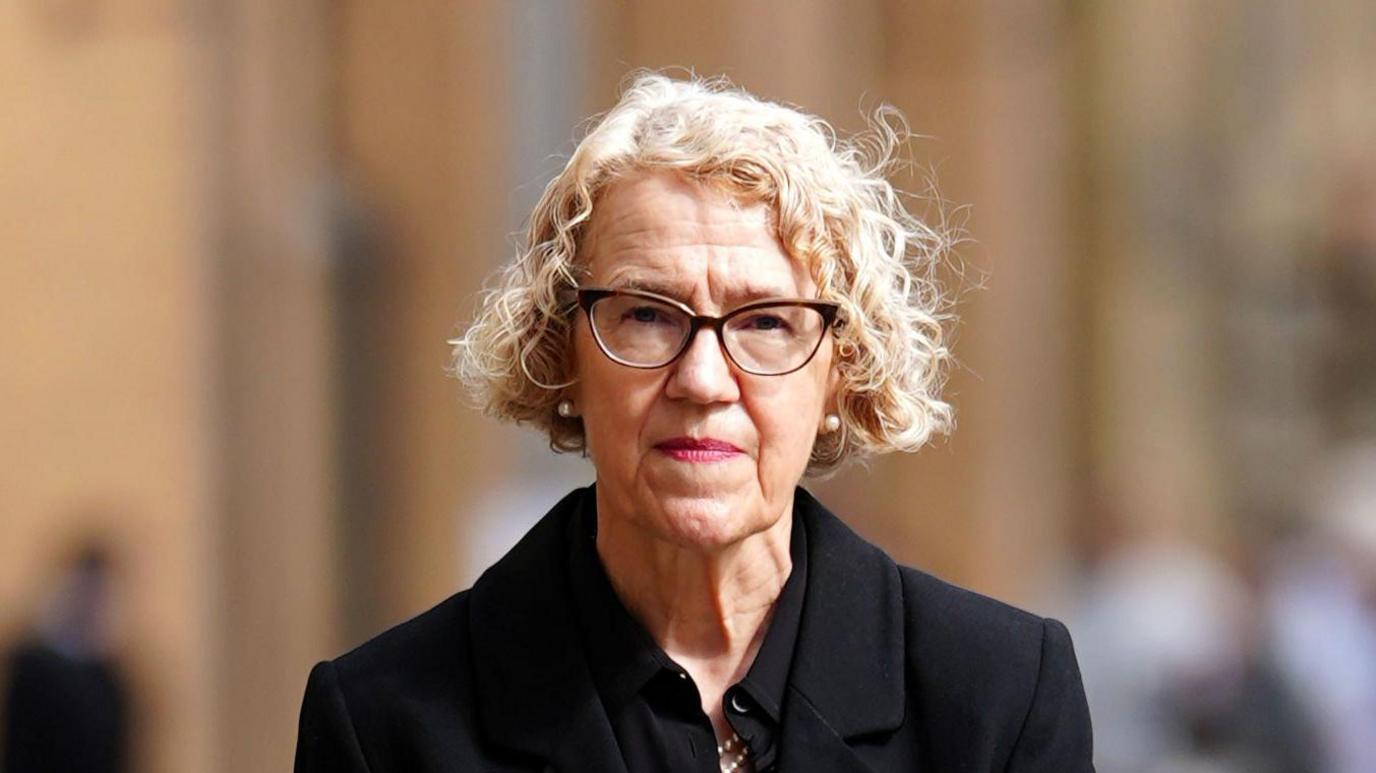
(715, 298)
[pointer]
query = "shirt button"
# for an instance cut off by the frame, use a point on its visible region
(737, 705)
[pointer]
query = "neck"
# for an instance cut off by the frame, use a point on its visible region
(708, 610)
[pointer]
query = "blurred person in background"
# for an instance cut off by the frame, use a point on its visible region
(1322, 604)
(66, 704)
(716, 297)
(1181, 675)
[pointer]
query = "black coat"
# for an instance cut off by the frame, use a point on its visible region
(894, 670)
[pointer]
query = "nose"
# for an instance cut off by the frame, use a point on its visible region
(703, 373)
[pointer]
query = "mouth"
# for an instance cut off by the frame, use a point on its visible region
(689, 449)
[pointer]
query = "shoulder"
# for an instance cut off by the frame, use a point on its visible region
(1007, 674)
(961, 648)
(980, 645)
(436, 643)
(407, 689)
(420, 670)
(943, 618)
(428, 646)
(943, 623)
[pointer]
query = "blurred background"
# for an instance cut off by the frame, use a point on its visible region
(234, 237)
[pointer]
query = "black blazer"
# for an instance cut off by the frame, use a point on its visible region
(893, 670)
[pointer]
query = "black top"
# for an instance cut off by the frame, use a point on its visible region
(652, 703)
(893, 670)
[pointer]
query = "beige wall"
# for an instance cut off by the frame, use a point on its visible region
(106, 329)
(275, 398)
(175, 187)
(235, 236)
(422, 115)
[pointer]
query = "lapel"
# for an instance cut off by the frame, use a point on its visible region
(848, 665)
(536, 695)
(535, 692)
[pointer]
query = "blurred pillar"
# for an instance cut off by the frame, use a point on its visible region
(824, 56)
(926, 506)
(991, 507)
(422, 111)
(1153, 243)
(277, 590)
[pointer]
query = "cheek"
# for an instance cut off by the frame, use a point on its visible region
(787, 422)
(613, 401)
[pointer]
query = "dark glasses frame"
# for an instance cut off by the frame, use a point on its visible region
(589, 296)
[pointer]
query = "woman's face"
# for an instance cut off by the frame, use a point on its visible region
(668, 235)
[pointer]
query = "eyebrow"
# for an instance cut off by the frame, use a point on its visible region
(749, 292)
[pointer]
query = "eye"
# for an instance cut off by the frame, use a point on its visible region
(765, 322)
(643, 314)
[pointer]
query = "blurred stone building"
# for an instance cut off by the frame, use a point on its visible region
(234, 237)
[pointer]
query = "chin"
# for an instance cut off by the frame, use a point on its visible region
(705, 521)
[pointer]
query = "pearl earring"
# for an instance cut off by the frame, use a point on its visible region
(566, 408)
(831, 423)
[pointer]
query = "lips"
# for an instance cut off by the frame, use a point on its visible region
(690, 449)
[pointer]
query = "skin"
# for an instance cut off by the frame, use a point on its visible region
(697, 551)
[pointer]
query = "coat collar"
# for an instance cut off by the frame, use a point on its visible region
(536, 694)
(849, 659)
(535, 691)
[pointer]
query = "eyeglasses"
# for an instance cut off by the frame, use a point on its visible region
(771, 337)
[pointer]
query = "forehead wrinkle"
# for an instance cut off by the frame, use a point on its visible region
(661, 232)
(738, 292)
(690, 247)
(733, 295)
(703, 274)
(681, 202)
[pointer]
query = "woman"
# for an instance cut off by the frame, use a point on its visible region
(715, 298)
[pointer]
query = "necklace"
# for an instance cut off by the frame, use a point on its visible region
(732, 754)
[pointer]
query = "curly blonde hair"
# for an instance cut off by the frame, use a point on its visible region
(834, 210)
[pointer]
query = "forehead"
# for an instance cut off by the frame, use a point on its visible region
(663, 232)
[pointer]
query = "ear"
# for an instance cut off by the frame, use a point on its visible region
(574, 392)
(574, 389)
(833, 387)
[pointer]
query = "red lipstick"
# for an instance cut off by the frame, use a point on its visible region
(689, 449)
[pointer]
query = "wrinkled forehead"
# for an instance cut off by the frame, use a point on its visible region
(687, 239)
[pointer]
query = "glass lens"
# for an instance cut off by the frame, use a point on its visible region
(774, 339)
(639, 331)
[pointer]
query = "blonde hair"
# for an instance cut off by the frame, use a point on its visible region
(835, 212)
